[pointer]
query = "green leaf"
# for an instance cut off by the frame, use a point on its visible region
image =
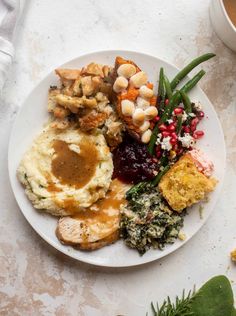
(215, 298)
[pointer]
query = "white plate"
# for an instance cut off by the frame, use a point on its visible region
(29, 122)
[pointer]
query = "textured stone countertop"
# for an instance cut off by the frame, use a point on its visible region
(35, 279)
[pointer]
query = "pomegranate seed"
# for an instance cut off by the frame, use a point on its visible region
(198, 134)
(165, 134)
(193, 124)
(178, 111)
(173, 135)
(154, 160)
(166, 101)
(158, 151)
(173, 141)
(179, 151)
(195, 121)
(201, 114)
(156, 119)
(171, 127)
(186, 129)
(162, 127)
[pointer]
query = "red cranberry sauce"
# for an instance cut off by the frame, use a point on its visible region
(132, 162)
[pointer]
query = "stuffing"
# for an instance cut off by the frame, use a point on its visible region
(92, 120)
(85, 96)
(68, 74)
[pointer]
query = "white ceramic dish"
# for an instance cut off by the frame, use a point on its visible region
(222, 24)
(33, 114)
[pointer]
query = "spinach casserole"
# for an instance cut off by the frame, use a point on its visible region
(147, 220)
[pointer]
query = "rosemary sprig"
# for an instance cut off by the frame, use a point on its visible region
(181, 306)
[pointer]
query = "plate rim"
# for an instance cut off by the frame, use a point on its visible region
(51, 242)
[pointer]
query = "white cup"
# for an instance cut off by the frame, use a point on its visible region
(222, 24)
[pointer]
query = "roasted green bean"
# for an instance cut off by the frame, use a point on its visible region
(186, 102)
(168, 89)
(161, 81)
(183, 73)
(179, 124)
(153, 139)
(158, 177)
(192, 82)
(161, 89)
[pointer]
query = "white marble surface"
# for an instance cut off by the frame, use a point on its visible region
(34, 278)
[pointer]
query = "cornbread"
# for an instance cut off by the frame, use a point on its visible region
(183, 185)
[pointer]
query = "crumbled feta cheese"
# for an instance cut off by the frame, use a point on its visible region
(184, 116)
(170, 121)
(197, 106)
(192, 114)
(187, 140)
(165, 144)
(158, 141)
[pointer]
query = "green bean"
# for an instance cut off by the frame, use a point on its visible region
(153, 139)
(158, 177)
(192, 82)
(183, 73)
(135, 190)
(163, 161)
(161, 89)
(179, 124)
(161, 81)
(175, 100)
(168, 87)
(186, 102)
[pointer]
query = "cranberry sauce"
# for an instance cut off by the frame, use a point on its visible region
(132, 162)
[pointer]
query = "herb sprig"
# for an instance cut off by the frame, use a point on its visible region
(181, 306)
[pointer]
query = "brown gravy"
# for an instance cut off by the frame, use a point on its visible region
(112, 201)
(230, 7)
(53, 188)
(71, 168)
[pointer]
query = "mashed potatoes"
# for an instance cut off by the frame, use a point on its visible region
(66, 171)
